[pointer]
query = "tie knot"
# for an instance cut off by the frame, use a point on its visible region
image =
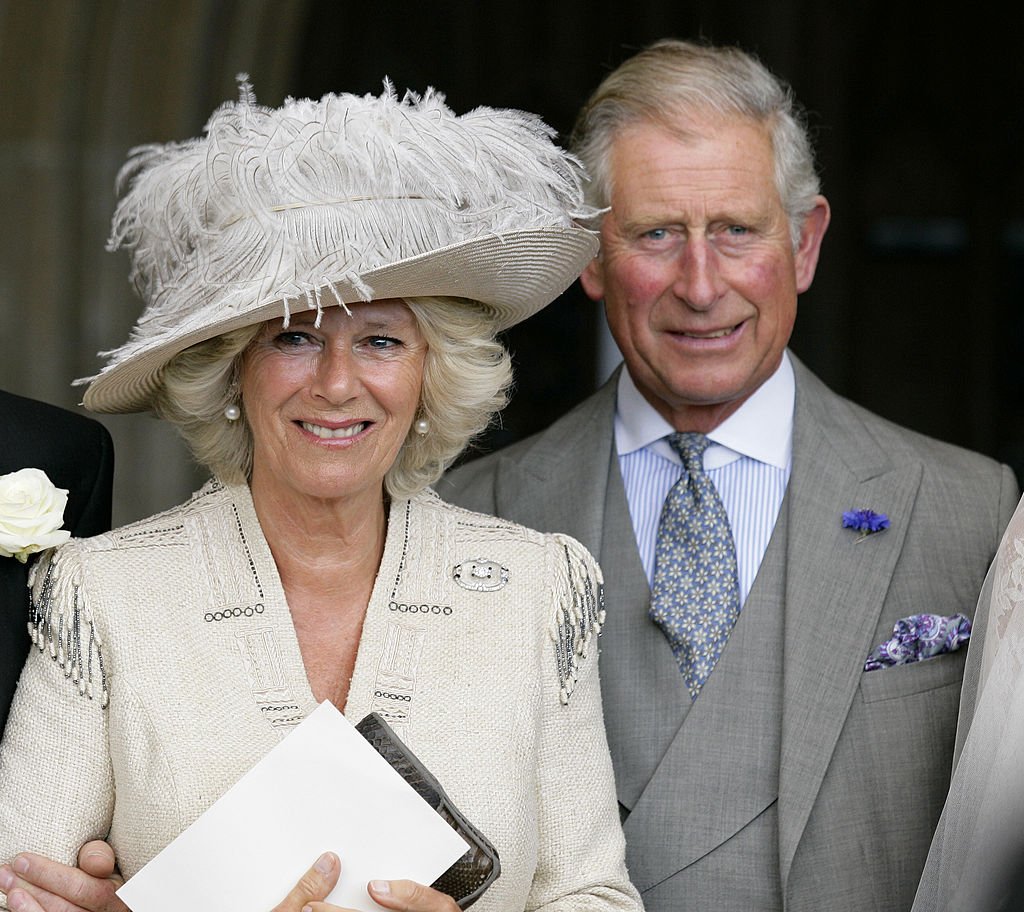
(690, 446)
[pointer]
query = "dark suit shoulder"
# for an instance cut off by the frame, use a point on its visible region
(471, 485)
(29, 423)
(33, 411)
(76, 454)
(75, 451)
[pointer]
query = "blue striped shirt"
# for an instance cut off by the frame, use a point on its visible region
(749, 463)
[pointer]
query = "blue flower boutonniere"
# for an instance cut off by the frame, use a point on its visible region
(865, 522)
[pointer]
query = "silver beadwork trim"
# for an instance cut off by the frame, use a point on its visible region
(60, 622)
(580, 619)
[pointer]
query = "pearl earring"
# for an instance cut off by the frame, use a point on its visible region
(232, 412)
(422, 427)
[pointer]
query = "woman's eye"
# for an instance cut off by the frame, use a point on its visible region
(383, 342)
(291, 339)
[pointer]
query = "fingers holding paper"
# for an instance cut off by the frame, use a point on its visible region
(313, 886)
(407, 896)
(37, 884)
(401, 895)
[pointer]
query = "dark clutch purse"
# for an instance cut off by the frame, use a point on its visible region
(466, 880)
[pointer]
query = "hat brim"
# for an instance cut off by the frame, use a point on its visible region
(514, 275)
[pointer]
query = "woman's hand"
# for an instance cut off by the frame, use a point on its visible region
(37, 884)
(401, 895)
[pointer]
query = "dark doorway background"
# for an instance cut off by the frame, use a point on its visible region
(916, 308)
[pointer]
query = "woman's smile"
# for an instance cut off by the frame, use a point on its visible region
(341, 432)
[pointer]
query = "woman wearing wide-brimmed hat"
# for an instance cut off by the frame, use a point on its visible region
(323, 284)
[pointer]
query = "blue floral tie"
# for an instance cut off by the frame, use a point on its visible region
(696, 595)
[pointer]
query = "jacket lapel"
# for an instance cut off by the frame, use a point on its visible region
(835, 586)
(559, 486)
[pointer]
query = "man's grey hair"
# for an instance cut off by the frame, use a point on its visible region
(671, 83)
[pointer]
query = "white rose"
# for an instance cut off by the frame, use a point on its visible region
(31, 514)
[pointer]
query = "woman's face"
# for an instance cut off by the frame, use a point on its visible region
(330, 407)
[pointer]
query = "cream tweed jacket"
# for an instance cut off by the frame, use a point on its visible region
(168, 664)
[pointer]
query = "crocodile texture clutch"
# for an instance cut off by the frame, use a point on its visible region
(467, 879)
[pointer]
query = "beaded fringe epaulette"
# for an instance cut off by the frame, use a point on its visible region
(580, 617)
(60, 622)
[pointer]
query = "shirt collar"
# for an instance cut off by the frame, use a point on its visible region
(761, 428)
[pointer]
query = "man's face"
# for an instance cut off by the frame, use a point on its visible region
(697, 267)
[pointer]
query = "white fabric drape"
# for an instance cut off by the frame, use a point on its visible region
(979, 842)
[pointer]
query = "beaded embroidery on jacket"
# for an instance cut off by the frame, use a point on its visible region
(61, 620)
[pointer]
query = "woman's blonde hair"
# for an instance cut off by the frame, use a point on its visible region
(466, 376)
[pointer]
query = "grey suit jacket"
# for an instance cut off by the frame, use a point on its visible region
(798, 781)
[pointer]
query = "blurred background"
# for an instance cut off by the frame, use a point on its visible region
(916, 311)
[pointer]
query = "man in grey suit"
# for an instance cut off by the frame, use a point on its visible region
(795, 780)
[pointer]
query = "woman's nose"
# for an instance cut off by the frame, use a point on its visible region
(334, 379)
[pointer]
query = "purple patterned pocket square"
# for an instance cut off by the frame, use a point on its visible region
(920, 636)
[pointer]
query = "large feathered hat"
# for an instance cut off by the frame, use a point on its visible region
(330, 202)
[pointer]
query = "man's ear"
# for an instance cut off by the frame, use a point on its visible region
(811, 236)
(592, 279)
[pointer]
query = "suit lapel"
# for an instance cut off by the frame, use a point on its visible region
(835, 587)
(560, 486)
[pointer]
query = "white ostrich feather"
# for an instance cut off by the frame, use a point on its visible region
(281, 204)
